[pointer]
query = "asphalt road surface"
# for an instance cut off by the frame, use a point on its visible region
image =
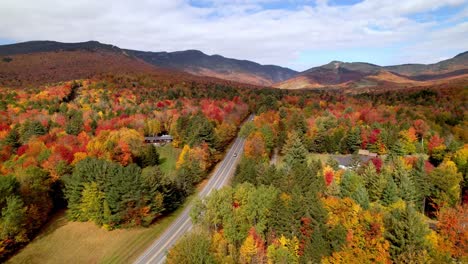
(156, 253)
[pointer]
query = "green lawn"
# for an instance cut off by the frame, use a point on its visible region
(323, 157)
(168, 156)
(74, 242)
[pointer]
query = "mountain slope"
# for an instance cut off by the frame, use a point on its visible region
(51, 67)
(198, 63)
(456, 63)
(190, 61)
(54, 46)
(43, 62)
(359, 75)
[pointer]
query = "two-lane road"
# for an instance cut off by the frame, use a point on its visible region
(156, 253)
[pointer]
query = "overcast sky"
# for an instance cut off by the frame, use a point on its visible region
(294, 33)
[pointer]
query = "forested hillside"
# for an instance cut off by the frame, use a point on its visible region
(80, 145)
(407, 204)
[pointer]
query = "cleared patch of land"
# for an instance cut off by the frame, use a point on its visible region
(74, 242)
(323, 157)
(168, 156)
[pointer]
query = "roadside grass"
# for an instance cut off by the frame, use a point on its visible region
(62, 241)
(168, 156)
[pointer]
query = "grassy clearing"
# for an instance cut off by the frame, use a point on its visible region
(323, 157)
(168, 156)
(73, 242)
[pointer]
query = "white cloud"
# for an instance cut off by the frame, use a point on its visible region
(238, 28)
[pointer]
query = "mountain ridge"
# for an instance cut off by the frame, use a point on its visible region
(335, 74)
(191, 61)
(356, 75)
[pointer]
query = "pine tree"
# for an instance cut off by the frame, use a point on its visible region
(419, 178)
(406, 231)
(13, 218)
(246, 172)
(361, 197)
(294, 150)
(12, 139)
(407, 190)
(149, 156)
(390, 192)
(75, 124)
(352, 186)
(374, 182)
(319, 245)
(397, 148)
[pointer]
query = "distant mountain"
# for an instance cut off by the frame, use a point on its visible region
(191, 61)
(54, 46)
(365, 76)
(43, 62)
(37, 62)
(456, 63)
(198, 63)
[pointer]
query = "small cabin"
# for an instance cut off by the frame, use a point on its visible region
(159, 140)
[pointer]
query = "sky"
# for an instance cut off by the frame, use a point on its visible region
(299, 34)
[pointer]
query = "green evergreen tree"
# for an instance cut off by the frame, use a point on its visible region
(13, 220)
(29, 129)
(8, 187)
(361, 197)
(149, 156)
(390, 193)
(319, 245)
(352, 186)
(246, 171)
(397, 148)
(294, 151)
(406, 231)
(374, 182)
(12, 139)
(75, 124)
(282, 130)
(407, 189)
(92, 200)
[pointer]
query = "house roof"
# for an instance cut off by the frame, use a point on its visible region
(163, 137)
(348, 161)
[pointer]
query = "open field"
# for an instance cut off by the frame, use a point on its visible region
(62, 241)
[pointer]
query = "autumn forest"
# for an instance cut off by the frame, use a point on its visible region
(80, 145)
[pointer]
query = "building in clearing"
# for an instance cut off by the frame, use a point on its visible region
(159, 140)
(351, 161)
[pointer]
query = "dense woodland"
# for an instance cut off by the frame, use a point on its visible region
(80, 145)
(408, 205)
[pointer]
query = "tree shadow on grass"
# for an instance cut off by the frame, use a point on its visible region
(58, 219)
